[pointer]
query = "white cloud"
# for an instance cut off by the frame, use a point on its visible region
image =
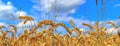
(9, 13)
(63, 6)
(110, 30)
(21, 26)
(3, 24)
(21, 13)
(113, 30)
(6, 10)
(5, 15)
(29, 23)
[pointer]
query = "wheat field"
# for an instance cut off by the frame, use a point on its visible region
(47, 37)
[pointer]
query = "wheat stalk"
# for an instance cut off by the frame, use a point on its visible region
(1, 26)
(113, 24)
(14, 27)
(74, 28)
(45, 22)
(60, 24)
(77, 30)
(96, 26)
(26, 19)
(72, 22)
(84, 24)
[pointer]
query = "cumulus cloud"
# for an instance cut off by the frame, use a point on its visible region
(21, 13)
(6, 10)
(29, 23)
(62, 6)
(9, 13)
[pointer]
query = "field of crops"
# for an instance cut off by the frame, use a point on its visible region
(46, 37)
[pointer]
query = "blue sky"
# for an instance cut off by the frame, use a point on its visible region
(78, 10)
(88, 9)
(84, 11)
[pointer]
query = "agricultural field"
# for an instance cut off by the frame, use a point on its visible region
(46, 37)
(19, 27)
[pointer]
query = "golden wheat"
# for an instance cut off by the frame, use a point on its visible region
(61, 24)
(26, 18)
(46, 37)
(84, 24)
